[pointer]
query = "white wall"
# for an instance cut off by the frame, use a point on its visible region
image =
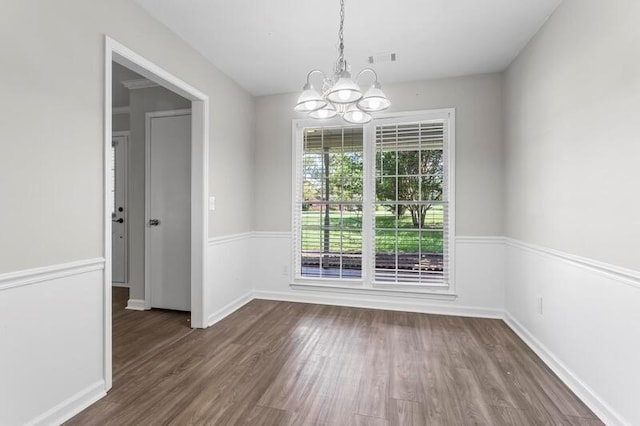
(479, 187)
(479, 202)
(120, 122)
(51, 179)
(572, 131)
(571, 117)
(142, 101)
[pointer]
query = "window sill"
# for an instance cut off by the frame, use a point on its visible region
(357, 287)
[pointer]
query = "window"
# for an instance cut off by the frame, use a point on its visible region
(331, 203)
(373, 204)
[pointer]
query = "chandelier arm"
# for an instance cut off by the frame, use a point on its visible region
(375, 74)
(324, 76)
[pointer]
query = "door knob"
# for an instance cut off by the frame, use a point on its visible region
(121, 220)
(154, 222)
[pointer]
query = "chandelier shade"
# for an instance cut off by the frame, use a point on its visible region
(325, 112)
(309, 100)
(344, 91)
(341, 95)
(374, 99)
(355, 115)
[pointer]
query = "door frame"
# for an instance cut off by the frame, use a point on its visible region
(126, 135)
(116, 52)
(147, 192)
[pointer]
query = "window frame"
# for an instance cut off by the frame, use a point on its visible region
(367, 283)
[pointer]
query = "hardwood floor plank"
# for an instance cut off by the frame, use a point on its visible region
(491, 380)
(441, 400)
(406, 413)
(404, 383)
(473, 402)
(512, 416)
(373, 391)
(580, 421)
(266, 416)
(279, 363)
(360, 420)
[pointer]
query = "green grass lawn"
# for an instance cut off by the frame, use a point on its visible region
(346, 228)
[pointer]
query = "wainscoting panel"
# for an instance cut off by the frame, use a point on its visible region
(479, 280)
(582, 317)
(229, 263)
(51, 337)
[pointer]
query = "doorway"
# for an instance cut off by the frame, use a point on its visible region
(198, 185)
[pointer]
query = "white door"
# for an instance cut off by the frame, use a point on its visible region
(119, 226)
(168, 228)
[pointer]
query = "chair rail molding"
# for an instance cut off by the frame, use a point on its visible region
(48, 273)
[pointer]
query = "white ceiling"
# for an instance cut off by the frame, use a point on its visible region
(268, 46)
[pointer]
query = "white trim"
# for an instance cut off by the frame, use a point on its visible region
(229, 238)
(71, 406)
(417, 291)
(128, 58)
(116, 52)
(120, 285)
(147, 192)
(200, 117)
(109, 49)
(358, 301)
(136, 305)
(121, 110)
(47, 273)
(229, 308)
(582, 391)
(479, 240)
(266, 234)
(623, 275)
(139, 83)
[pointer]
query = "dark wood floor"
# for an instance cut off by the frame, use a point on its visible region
(276, 363)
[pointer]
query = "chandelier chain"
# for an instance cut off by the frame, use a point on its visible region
(340, 94)
(340, 63)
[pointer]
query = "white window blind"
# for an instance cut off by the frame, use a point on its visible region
(411, 208)
(330, 207)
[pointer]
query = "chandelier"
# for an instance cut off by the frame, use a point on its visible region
(341, 95)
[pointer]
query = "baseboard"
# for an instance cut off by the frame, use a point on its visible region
(229, 308)
(586, 394)
(369, 303)
(71, 406)
(136, 305)
(120, 285)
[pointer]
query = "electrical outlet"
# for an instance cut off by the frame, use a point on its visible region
(212, 203)
(285, 270)
(540, 305)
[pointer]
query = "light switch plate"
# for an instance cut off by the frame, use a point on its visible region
(212, 203)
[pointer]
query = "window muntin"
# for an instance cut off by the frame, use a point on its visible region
(394, 233)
